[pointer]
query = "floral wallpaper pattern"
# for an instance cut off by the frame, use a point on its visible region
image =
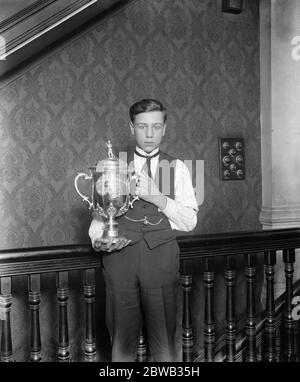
(56, 116)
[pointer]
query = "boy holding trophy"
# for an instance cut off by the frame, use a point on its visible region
(141, 269)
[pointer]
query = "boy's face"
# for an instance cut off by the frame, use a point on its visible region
(148, 129)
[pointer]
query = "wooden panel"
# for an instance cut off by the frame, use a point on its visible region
(11, 7)
(16, 12)
(36, 19)
(37, 25)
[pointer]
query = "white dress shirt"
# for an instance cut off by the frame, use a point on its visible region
(181, 212)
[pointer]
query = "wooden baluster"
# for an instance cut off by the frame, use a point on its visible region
(141, 355)
(297, 337)
(289, 351)
(278, 343)
(5, 307)
(63, 335)
(270, 320)
(209, 327)
(250, 327)
(187, 332)
(230, 311)
(34, 283)
(259, 353)
(89, 299)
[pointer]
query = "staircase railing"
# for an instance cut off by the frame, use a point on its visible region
(270, 335)
(259, 336)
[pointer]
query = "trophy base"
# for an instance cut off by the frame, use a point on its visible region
(110, 234)
(111, 230)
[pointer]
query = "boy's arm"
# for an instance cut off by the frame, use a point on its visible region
(182, 211)
(181, 217)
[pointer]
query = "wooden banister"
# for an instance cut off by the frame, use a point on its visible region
(62, 259)
(47, 259)
(59, 258)
(236, 243)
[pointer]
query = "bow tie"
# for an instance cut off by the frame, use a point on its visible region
(148, 160)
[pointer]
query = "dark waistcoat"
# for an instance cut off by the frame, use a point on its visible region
(148, 214)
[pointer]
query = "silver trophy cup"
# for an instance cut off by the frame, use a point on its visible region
(111, 191)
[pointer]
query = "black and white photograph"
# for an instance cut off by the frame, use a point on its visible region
(149, 184)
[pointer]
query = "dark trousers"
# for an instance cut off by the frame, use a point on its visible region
(141, 287)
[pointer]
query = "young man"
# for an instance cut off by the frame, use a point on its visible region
(141, 270)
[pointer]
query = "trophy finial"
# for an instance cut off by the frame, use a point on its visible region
(110, 152)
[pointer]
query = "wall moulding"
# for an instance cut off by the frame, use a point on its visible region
(42, 23)
(280, 216)
(17, 16)
(30, 22)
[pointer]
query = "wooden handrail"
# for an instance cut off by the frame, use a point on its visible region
(235, 243)
(47, 259)
(43, 253)
(70, 257)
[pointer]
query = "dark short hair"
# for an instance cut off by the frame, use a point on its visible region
(145, 105)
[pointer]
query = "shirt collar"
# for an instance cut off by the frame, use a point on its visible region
(139, 150)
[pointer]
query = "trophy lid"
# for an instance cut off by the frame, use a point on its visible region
(112, 163)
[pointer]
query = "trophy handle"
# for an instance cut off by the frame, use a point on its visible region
(133, 200)
(134, 197)
(101, 212)
(86, 177)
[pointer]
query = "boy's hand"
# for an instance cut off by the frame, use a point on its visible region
(96, 232)
(147, 190)
(110, 245)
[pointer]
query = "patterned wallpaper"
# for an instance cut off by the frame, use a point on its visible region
(56, 116)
